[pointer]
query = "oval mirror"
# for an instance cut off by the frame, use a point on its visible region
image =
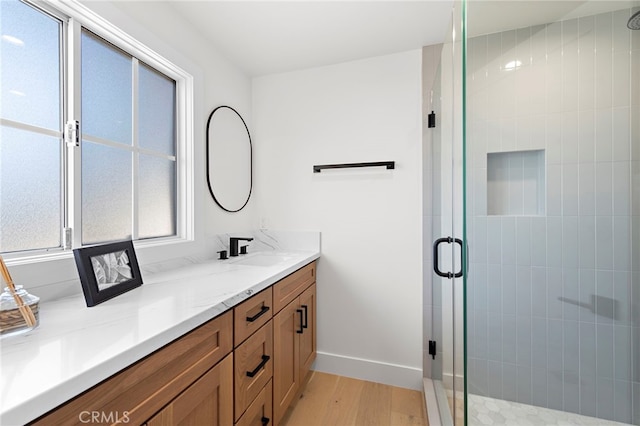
(229, 159)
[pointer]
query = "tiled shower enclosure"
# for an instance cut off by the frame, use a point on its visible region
(553, 215)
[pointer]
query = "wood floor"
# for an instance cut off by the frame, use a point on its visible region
(329, 400)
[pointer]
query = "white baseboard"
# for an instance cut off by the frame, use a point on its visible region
(366, 369)
(447, 380)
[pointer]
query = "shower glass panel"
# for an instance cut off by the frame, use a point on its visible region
(444, 167)
(552, 212)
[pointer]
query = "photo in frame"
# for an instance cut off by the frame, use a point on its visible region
(107, 271)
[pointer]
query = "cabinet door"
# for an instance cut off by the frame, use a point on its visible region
(208, 401)
(286, 352)
(308, 336)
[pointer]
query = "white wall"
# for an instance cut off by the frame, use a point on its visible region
(216, 82)
(369, 276)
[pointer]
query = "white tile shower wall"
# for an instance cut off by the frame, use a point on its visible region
(556, 297)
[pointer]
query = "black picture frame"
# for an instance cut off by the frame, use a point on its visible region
(107, 271)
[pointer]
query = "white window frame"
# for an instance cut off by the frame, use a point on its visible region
(75, 16)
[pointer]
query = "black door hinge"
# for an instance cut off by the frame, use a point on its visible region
(432, 349)
(431, 120)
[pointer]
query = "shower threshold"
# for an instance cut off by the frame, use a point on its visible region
(484, 410)
(489, 411)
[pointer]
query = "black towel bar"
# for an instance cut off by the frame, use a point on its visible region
(388, 164)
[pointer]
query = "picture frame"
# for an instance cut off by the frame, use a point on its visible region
(107, 270)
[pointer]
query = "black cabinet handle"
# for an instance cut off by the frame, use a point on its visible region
(263, 311)
(265, 421)
(265, 358)
(301, 324)
(305, 324)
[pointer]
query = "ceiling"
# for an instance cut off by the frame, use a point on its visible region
(486, 17)
(264, 37)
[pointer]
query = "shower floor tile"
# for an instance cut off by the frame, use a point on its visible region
(488, 411)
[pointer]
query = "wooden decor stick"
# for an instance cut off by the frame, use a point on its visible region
(25, 310)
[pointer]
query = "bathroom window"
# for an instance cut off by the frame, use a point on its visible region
(124, 171)
(128, 146)
(31, 173)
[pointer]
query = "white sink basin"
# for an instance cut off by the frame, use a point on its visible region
(262, 259)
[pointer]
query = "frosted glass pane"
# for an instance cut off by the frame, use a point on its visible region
(106, 193)
(106, 90)
(157, 106)
(30, 71)
(30, 190)
(157, 186)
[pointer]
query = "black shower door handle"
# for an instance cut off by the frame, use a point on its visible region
(459, 241)
(436, 262)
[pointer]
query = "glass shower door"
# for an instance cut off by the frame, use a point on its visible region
(447, 365)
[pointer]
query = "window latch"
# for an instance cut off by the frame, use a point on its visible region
(72, 133)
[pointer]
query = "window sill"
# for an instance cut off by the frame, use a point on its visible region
(41, 256)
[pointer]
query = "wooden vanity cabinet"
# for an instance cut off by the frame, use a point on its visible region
(294, 337)
(244, 367)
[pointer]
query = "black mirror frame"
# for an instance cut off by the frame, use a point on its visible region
(250, 161)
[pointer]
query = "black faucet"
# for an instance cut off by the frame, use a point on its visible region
(233, 245)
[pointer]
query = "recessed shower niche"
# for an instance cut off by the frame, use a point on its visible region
(516, 183)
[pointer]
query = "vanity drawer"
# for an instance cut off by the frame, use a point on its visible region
(253, 367)
(290, 287)
(260, 412)
(252, 314)
(142, 389)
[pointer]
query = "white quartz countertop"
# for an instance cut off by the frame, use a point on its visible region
(76, 347)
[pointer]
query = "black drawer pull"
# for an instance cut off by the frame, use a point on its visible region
(265, 421)
(301, 323)
(305, 324)
(265, 358)
(263, 311)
